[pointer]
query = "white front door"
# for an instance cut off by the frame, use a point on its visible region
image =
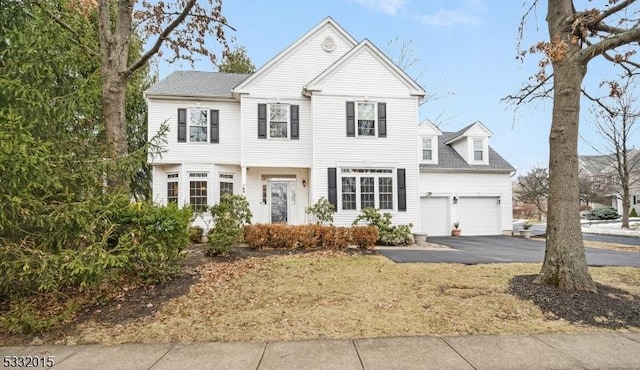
(279, 201)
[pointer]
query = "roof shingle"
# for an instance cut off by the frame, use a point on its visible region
(196, 83)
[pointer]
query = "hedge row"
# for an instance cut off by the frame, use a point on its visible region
(309, 237)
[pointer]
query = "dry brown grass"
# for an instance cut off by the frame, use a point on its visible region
(319, 296)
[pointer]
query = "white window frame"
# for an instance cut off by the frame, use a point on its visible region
(225, 178)
(173, 177)
(288, 120)
(359, 174)
(375, 118)
(483, 150)
(434, 149)
(199, 176)
(190, 112)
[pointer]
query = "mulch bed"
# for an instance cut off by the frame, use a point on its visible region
(609, 307)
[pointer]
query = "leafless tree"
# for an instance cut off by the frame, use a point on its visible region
(615, 118)
(609, 29)
(533, 188)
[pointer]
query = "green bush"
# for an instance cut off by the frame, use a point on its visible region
(195, 234)
(322, 211)
(633, 213)
(229, 217)
(607, 213)
(388, 234)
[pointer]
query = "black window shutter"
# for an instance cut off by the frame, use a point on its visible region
(262, 121)
(351, 119)
(182, 125)
(402, 190)
(295, 121)
(215, 126)
(333, 188)
(382, 119)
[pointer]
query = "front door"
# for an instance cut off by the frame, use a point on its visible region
(279, 202)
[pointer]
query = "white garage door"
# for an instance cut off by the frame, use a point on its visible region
(434, 216)
(479, 216)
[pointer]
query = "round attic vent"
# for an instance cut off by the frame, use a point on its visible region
(328, 44)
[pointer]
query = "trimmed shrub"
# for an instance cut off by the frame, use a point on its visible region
(633, 213)
(229, 217)
(308, 237)
(388, 234)
(364, 237)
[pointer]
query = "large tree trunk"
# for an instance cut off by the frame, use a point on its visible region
(565, 264)
(626, 205)
(115, 31)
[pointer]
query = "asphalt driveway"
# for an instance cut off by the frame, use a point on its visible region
(500, 249)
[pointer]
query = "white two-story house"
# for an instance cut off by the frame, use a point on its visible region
(327, 117)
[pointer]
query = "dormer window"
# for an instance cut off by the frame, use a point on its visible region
(427, 149)
(478, 150)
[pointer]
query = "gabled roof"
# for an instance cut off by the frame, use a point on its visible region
(606, 163)
(283, 54)
(197, 84)
(428, 124)
(449, 159)
(461, 133)
(382, 58)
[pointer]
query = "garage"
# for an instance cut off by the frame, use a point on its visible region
(434, 216)
(479, 215)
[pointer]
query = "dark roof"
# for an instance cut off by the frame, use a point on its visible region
(457, 134)
(603, 164)
(195, 83)
(448, 158)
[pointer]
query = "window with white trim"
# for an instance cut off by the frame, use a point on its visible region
(427, 148)
(226, 184)
(198, 125)
(278, 121)
(366, 188)
(172, 188)
(366, 119)
(198, 191)
(478, 150)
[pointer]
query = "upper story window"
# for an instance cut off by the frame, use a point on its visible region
(198, 122)
(427, 149)
(366, 117)
(478, 150)
(197, 125)
(278, 121)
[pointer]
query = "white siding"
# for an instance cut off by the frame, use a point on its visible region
(275, 152)
(364, 75)
(490, 185)
(286, 78)
(332, 148)
(227, 151)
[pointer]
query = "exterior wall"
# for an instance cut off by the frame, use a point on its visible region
(444, 184)
(286, 78)
(334, 149)
(299, 194)
(275, 152)
(462, 147)
(227, 151)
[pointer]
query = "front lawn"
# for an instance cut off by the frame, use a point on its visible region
(336, 295)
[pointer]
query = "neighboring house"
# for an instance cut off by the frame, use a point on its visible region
(327, 117)
(602, 170)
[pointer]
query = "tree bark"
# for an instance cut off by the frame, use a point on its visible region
(565, 264)
(115, 30)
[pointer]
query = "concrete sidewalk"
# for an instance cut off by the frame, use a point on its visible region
(543, 351)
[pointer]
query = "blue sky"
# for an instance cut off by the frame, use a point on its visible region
(466, 49)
